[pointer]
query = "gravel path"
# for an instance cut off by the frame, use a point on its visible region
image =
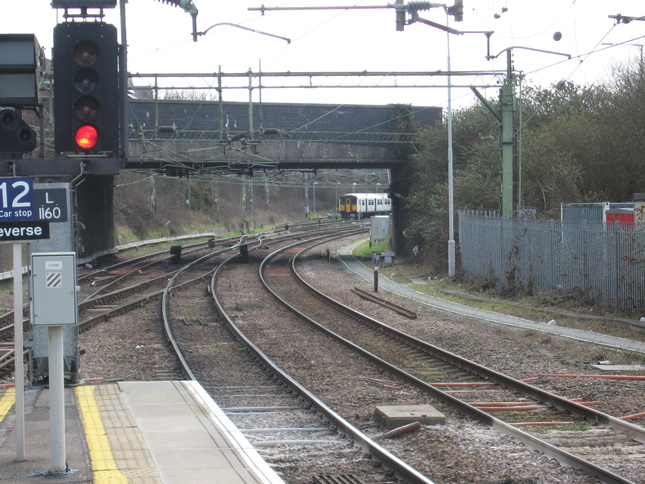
(489, 316)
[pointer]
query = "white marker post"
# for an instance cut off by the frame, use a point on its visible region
(17, 349)
(56, 400)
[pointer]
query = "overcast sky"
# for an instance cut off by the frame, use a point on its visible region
(159, 41)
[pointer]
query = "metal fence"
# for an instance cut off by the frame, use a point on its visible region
(605, 264)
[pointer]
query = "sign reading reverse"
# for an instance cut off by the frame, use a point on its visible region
(27, 230)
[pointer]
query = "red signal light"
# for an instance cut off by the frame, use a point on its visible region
(86, 137)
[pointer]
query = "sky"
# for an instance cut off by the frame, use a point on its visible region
(356, 40)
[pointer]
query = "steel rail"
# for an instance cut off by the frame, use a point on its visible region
(546, 448)
(146, 297)
(140, 258)
(635, 431)
(93, 298)
(165, 295)
(9, 314)
(402, 469)
(236, 239)
(9, 359)
(386, 304)
(85, 324)
(165, 304)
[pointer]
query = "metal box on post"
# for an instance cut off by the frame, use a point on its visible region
(380, 228)
(53, 302)
(53, 285)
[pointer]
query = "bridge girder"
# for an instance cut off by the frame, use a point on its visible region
(191, 155)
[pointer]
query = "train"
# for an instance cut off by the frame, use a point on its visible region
(363, 205)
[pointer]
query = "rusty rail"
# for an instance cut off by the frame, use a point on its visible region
(386, 304)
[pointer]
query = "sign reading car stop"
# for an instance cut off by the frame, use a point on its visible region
(16, 199)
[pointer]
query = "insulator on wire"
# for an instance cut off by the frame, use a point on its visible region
(185, 4)
(237, 137)
(416, 6)
(457, 10)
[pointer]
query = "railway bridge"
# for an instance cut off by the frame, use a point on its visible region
(187, 138)
(212, 136)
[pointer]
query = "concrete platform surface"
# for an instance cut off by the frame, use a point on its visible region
(134, 432)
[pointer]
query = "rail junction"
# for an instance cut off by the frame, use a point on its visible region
(264, 407)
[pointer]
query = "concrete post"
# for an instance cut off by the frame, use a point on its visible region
(56, 400)
(507, 105)
(18, 348)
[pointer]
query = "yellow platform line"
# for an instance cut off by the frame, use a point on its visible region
(103, 462)
(6, 402)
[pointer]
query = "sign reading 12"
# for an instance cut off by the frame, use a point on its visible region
(16, 199)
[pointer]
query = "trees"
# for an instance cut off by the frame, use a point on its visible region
(578, 144)
(476, 182)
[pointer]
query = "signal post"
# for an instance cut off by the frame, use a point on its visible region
(87, 141)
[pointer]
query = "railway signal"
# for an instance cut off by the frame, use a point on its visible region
(86, 88)
(19, 68)
(16, 136)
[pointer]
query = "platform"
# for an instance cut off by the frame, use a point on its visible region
(134, 432)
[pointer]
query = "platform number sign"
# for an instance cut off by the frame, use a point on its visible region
(16, 199)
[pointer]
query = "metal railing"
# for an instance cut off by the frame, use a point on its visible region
(601, 263)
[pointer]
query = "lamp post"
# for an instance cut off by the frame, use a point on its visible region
(336, 183)
(306, 195)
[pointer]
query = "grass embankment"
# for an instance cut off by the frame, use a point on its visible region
(539, 308)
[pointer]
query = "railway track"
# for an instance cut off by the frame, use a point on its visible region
(588, 436)
(288, 425)
(131, 283)
(348, 385)
(254, 404)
